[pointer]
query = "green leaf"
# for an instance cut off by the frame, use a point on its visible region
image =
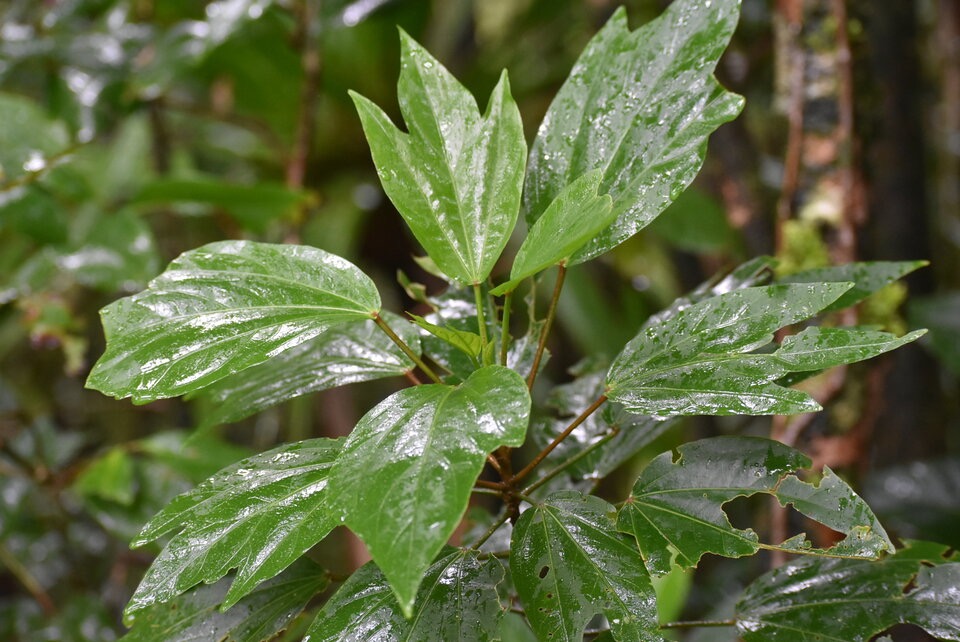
(941, 313)
(469, 343)
(819, 348)
(569, 563)
(119, 254)
(867, 278)
(696, 222)
(639, 106)
(675, 509)
(353, 352)
(457, 601)
(573, 218)
(405, 474)
(258, 516)
(692, 362)
(221, 308)
(110, 477)
(851, 601)
(196, 616)
(29, 140)
(456, 177)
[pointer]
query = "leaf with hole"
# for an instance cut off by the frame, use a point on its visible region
(675, 509)
(221, 308)
(404, 476)
(257, 516)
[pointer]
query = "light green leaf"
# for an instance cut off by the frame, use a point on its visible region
(197, 617)
(818, 348)
(353, 352)
(405, 474)
(692, 362)
(469, 343)
(457, 601)
(258, 516)
(867, 278)
(853, 600)
(573, 218)
(456, 177)
(569, 563)
(675, 509)
(221, 308)
(30, 142)
(110, 477)
(639, 106)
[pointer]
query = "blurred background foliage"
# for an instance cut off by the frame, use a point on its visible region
(133, 130)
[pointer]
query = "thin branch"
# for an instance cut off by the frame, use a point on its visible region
(551, 313)
(29, 582)
(405, 348)
(792, 15)
(310, 62)
(490, 531)
(557, 440)
(483, 483)
(614, 431)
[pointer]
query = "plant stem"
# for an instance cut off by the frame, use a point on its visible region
(406, 349)
(490, 531)
(551, 313)
(558, 439)
(22, 573)
(505, 328)
(698, 623)
(614, 431)
(481, 324)
(483, 483)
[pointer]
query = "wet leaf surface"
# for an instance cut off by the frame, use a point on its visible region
(867, 278)
(221, 308)
(675, 509)
(569, 563)
(456, 177)
(458, 600)
(639, 105)
(353, 352)
(258, 516)
(196, 616)
(405, 474)
(851, 601)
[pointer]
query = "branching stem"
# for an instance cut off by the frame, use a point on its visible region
(405, 348)
(614, 431)
(548, 323)
(490, 531)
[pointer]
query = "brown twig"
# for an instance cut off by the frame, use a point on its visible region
(548, 324)
(310, 62)
(791, 12)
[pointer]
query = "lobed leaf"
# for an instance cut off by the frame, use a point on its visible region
(639, 106)
(350, 353)
(853, 600)
(456, 177)
(457, 601)
(258, 516)
(197, 616)
(569, 563)
(675, 509)
(220, 309)
(867, 278)
(404, 477)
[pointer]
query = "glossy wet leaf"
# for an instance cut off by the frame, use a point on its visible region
(257, 516)
(693, 362)
(221, 308)
(577, 215)
(569, 563)
(818, 348)
(456, 177)
(353, 352)
(458, 600)
(196, 616)
(675, 509)
(639, 105)
(468, 343)
(456, 309)
(853, 600)
(405, 474)
(867, 278)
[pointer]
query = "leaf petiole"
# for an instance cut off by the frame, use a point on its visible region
(482, 325)
(614, 431)
(505, 327)
(551, 313)
(407, 350)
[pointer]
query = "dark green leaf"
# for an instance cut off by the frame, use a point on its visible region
(356, 351)
(692, 362)
(695, 222)
(867, 278)
(196, 616)
(638, 105)
(941, 313)
(222, 308)
(457, 601)
(577, 215)
(258, 516)
(456, 177)
(405, 474)
(569, 563)
(676, 507)
(852, 600)
(820, 348)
